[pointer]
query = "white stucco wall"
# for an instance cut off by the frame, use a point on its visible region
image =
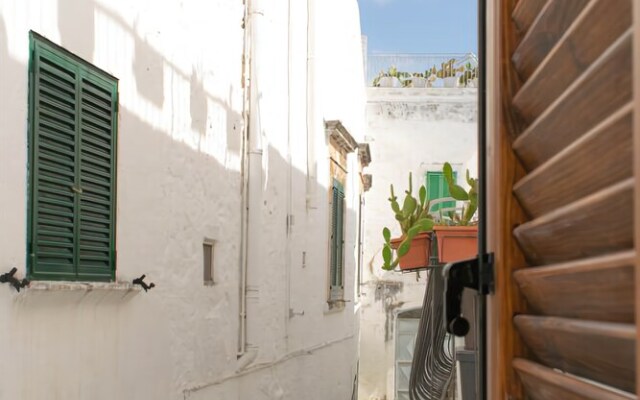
(180, 158)
(409, 130)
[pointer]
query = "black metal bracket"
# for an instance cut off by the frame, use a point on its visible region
(8, 277)
(472, 274)
(140, 281)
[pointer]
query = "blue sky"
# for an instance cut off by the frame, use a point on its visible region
(419, 26)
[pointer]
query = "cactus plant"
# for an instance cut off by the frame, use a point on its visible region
(392, 72)
(470, 197)
(469, 75)
(413, 218)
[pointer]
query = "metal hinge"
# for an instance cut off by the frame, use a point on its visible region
(8, 277)
(475, 273)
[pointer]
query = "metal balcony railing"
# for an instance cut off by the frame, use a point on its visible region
(433, 367)
(414, 63)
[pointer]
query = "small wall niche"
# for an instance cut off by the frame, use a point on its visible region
(208, 247)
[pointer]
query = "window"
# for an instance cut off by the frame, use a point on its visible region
(437, 188)
(72, 157)
(341, 144)
(337, 241)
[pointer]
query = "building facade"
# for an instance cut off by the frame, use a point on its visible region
(410, 130)
(188, 142)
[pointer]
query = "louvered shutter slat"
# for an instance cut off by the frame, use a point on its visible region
(549, 384)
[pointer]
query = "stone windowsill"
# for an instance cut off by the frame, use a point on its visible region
(334, 306)
(68, 292)
(69, 286)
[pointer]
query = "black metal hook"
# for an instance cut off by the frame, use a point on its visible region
(8, 277)
(458, 276)
(140, 281)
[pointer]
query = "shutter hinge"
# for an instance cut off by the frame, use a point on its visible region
(8, 277)
(475, 273)
(140, 281)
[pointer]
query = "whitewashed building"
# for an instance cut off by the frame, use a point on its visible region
(199, 143)
(412, 130)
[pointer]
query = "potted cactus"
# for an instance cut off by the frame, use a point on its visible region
(412, 249)
(391, 78)
(469, 77)
(457, 231)
(417, 80)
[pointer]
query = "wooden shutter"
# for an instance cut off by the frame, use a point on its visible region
(561, 201)
(337, 241)
(97, 178)
(437, 188)
(334, 236)
(72, 167)
(54, 122)
(340, 239)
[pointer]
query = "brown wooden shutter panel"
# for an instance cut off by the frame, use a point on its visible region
(567, 182)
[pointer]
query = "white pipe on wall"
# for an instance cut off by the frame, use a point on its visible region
(250, 280)
(314, 115)
(245, 188)
(287, 303)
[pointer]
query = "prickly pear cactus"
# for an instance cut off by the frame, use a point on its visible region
(459, 193)
(413, 218)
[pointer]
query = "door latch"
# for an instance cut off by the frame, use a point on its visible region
(459, 275)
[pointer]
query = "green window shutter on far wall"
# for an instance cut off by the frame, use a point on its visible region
(337, 240)
(73, 118)
(340, 238)
(437, 188)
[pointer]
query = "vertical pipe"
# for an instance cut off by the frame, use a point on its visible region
(255, 175)
(245, 182)
(250, 281)
(287, 302)
(315, 124)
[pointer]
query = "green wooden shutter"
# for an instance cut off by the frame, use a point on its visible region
(96, 253)
(72, 167)
(337, 241)
(334, 236)
(437, 188)
(340, 239)
(54, 121)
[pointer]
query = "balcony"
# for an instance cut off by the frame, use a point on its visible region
(421, 70)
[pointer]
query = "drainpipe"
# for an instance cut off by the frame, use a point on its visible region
(244, 197)
(315, 123)
(287, 303)
(250, 282)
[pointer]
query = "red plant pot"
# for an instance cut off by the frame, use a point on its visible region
(456, 243)
(419, 252)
